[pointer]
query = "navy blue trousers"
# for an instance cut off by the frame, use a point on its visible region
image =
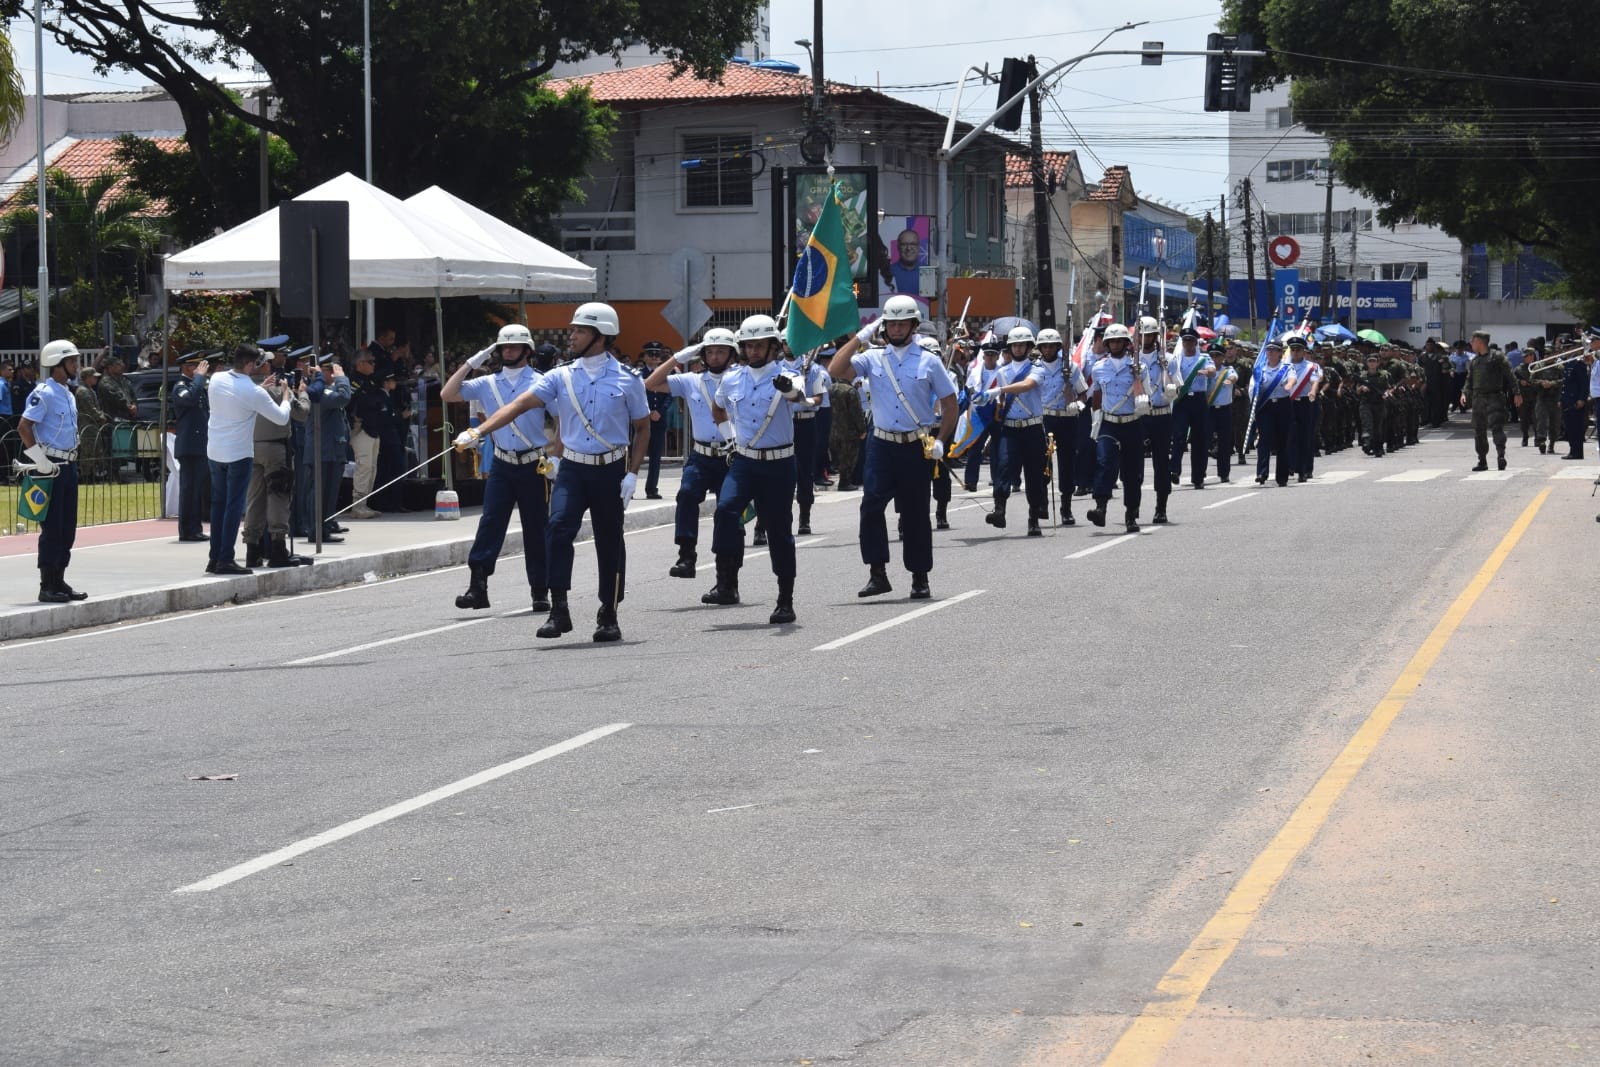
(1272, 433)
(1157, 430)
(193, 473)
(1083, 467)
(1191, 428)
(769, 484)
(805, 460)
(597, 491)
(513, 486)
(1022, 457)
(60, 527)
(897, 473)
(1120, 449)
(1302, 436)
(702, 476)
(1220, 430)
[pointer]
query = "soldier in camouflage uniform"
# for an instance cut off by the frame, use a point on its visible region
(1489, 377)
(1546, 408)
(1328, 402)
(1244, 364)
(1371, 388)
(848, 429)
(1529, 392)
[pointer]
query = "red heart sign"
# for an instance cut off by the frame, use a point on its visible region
(1284, 251)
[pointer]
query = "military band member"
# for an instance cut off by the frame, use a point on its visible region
(1162, 389)
(1019, 423)
(1305, 378)
(1063, 392)
(1116, 388)
(1269, 392)
(1191, 410)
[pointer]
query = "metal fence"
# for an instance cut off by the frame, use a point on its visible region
(119, 475)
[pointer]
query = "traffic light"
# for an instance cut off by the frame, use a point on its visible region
(1014, 77)
(1228, 75)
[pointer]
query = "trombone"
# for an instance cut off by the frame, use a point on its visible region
(1558, 359)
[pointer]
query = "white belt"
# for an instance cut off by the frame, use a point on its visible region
(1118, 418)
(700, 448)
(1018, 424)
(781, 452)
(1060, 413)
(518, 459)
(1164, 409)
(804, 415)
(589, 459)
(897, 438)
(55, 453)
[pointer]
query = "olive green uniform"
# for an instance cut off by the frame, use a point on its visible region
(849, 426)
(1489, 378)
(1546, 407)
(1370, 389)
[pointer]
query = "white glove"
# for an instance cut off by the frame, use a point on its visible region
(938, 450)
(864, 335)
(1074, 408)
(467, 439)
(477, 361)
(43, 465)
(629, 481)
(552, 464)
(990, 396)
(726, 430)
(1171, 390)
(687, 356)
(1141, 405)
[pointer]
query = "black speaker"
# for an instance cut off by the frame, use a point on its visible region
(330, 221)
(1013, 79)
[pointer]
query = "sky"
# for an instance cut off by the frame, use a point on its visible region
(1109, 110)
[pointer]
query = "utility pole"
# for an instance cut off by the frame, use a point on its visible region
(1355, 227)
(816, 66)
(1250, 258)
(38, 122)
(1044, 278)
(261, 100)
(1266, 259)
(1466, 267)
(1327, 248)
(1211, 260)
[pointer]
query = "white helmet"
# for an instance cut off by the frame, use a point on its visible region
(514, 334)
(1048, 336)
(56, 352)
(601, 317)
(719, 336)
(1019, 335)
(1117, 332)
(901, 309)
(929, 344)
(1147, 324)
(759, 328)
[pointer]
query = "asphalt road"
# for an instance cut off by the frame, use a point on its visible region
(981, 835)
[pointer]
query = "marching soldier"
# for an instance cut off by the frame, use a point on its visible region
(1064, 391)
(1372, 387)
(523, 469)
(813, 381)
(1220, 419)
(707, 465)
(1546, 408)
(1195, 372)
(49, 431)
(848, 434)
(1305, 378)
(1162, 390)
(1269, 391)
(909, 390)
(753, 405)
(597, 402)
(1489, 378)
(1116, 388)
(1019, 421)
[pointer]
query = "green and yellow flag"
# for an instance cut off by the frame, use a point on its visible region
(822, 302)
(33, 498)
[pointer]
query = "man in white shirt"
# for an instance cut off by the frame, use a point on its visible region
(235, 401)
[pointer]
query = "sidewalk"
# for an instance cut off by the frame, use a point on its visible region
(139, 569)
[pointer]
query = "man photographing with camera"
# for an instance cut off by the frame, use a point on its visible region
(266, 507)
(236, 400)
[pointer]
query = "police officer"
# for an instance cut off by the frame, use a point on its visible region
(189, 447)
(908, 390)
(1269, 392)
(1489, 379)
(1116, 388)
(597, 402)
(1019, 421)
(1194, 371)
(1305, 378)
(1156, 425)
(752, 407)
(707, 464)
(1061, 395)
(49, 431)
(523, 467)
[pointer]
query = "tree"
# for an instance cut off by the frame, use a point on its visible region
(1452, 114)
(456, 96)
(13, 96)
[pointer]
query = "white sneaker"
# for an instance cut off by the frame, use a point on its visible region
(364, 513)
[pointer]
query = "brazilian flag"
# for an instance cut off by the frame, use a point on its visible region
(822, 300)
(33, 498)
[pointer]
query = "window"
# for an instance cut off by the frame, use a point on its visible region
(719, 171)
(1279, 118)
(1403, 272)
(1298, 170)
(969, 203)
(992, 191)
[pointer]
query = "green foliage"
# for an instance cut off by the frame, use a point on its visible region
(88, 221)
(13, 96)
(1443, 113)
(211, 321)
(83, 308)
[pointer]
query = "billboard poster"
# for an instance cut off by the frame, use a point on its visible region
(858, 203)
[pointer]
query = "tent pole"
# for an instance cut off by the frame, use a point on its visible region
(161, 426)
(444, 409)
(522, 304)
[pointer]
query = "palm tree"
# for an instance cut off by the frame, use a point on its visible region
(12, 95)
(87, 220)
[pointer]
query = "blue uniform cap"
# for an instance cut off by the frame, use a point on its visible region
(275, 341)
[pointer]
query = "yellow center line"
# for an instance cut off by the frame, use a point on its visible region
(1180, 989)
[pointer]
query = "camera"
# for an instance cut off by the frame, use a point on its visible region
(291, 378)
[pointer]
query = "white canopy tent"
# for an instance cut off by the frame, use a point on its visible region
(545, 270)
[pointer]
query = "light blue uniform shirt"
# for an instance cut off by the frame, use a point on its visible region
(819, 382)
(1183, 365)
(5, 397)
(1298, 371)
(1228, 377)
(610, 402)
(1023, 406)
(1156, 381)
(1269, 374)
(511, 384)
(1594, 379)
(920, 376)
(1459, 361)
(747, 396)
(54, 414)
(1114, 380)
(697, 390)
(1060, 383)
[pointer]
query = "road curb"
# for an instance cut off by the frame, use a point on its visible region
(210, 592)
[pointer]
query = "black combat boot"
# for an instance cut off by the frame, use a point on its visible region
(919, 586)
(1500, 458)
(253, 556)
(477, 595)
(605, 624)
(53, 588)
(1483, 463)
(941, 515)
(877, 582)
(760, 537)
(805, 522)
(1033, 526)
(560, 620)
(278, 555)
(997, 517)
(1161, 513)
(726, 591)
(1097, 514)
(1132, 523)
(687, 557)
(783, 612)
(1066, 512)
(541, 597)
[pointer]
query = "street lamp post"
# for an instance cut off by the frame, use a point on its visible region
(38, 129)
(366, 82)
